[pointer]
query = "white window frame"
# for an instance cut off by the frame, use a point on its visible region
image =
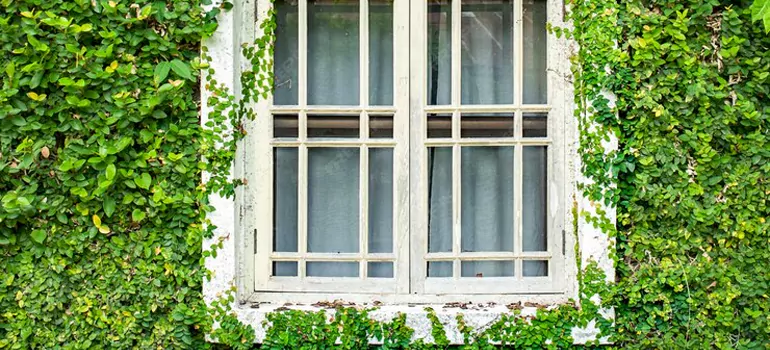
(235, 264)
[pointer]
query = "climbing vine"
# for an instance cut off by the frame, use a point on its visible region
(103, 211)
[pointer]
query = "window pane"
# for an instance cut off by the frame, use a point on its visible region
(535, 179)
(381, 127)
(487, 199)
(333, 194)
(285, 170)
(440, 199)
(535, 48)
(333, 126)
(286, 55)
(286, 126)
(486, 125)
(440, 269)
(333, 52)
(380, 269)
(535, 268)
(487, 52)
(487, 269)
(285, 269)
(439, 126)
(380, 200)
(439, 52)
(535, 125)
(380, 52)
(332, 269)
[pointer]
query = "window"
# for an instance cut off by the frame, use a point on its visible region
(410, 152)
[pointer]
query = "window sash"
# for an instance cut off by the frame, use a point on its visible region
(410, 145)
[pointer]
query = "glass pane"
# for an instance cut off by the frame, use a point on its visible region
(439, 199)
(487, 199)
(333, 190)
(440, 269)
(535, 125)
(535, 48)
(286, 68)
(285, 171)
(439, 52)
(486, 125)
(285, 269)
(380, 200)
(286, 126)
(535, 268)
(380, 52)
(535, 180)
(487, 51)
(439, 125)
(380, 269)
(381, 127)
(333, 52)
(487, 269)
(333, 126)
(332, 269)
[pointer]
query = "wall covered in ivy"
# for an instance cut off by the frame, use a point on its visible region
(102, 209)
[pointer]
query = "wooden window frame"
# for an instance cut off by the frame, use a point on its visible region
(255, 164)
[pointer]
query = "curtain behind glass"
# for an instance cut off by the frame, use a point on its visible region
(487, 172)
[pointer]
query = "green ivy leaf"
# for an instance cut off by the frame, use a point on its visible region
(144, 181)
(38, 236)
(161, 72)
(110, 171)
(108, 205)
(137, 215)
(760, 10)
(182, 69)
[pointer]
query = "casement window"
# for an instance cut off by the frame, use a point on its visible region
(411, 151)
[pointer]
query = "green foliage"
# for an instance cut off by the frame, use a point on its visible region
(760, 11)
(691, 81)
(101, 207)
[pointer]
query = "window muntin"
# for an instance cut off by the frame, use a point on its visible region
(480, 148)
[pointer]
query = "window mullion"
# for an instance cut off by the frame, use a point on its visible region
(302, 176)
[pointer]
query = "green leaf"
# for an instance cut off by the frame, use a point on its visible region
(38, 236)
(161, 72)
(109, 206)
(137, 215)
(182, 69)
(144, 181)
(110, 171)
(760, 10)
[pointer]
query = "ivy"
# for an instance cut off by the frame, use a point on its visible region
(103, 210)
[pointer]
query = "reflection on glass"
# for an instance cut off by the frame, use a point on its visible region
(440, 199)
(285, 170)
(333, 193)
(332, 269)
(535, 180)
(486, 269)
(487, 199)
(487, 51)
(333, 52)
(381, 127)
(535, 47)
(439, 52)
(380, 52)
(286, 57)
(380, 200)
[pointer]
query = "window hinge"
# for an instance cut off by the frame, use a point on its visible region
(563, 242)
(255, 241)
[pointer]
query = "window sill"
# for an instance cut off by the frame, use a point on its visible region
(478, 316)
